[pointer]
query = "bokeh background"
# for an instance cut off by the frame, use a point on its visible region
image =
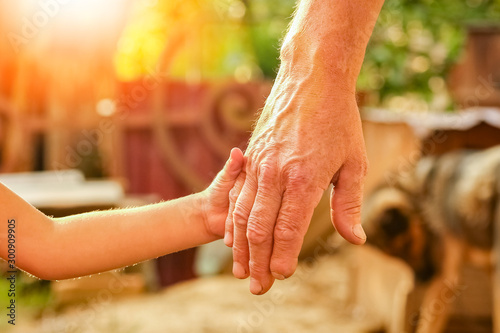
(143, 101)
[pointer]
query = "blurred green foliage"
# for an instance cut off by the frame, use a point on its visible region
(267, 21)
(418, 40)
(32, 297)
(414, 41)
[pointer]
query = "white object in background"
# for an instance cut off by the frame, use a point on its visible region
(42, 177)
(60, 189)
(211, 258)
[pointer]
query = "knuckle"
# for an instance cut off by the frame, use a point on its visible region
(241, 210)
(239, 219)
(267, 180)
(256, 235)
(233, 194)
(258, 268)
(353, 210)
(298, 178)
(267, 172)
(240, 253)
(288, 232)
(351, 207)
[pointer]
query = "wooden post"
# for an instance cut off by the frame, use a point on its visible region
(496, 273)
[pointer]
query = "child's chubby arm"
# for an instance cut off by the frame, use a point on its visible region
(94, 242)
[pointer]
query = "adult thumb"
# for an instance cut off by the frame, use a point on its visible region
(346, 199)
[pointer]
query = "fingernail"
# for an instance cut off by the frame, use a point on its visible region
(239, 271)
(255, 287)
(278, 276)
(228, 239)
(358, 231)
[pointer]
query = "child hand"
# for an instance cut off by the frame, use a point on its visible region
(216, 196)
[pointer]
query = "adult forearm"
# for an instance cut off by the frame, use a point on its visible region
(330, 37)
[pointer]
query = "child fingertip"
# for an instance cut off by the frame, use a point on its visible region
(234, 154)
(231, 156)
(234, 151)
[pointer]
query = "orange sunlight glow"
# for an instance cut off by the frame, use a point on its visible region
(97, 15)
(60, 52)
(68, 20)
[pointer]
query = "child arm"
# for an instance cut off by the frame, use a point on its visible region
(99, 241)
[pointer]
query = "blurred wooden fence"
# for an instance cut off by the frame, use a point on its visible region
(176, 139)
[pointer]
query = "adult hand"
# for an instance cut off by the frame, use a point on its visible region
(308, 136)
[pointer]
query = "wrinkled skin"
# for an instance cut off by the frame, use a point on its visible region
(300, 145)
(308, 136)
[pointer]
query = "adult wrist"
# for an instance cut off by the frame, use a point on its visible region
(303, 58)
